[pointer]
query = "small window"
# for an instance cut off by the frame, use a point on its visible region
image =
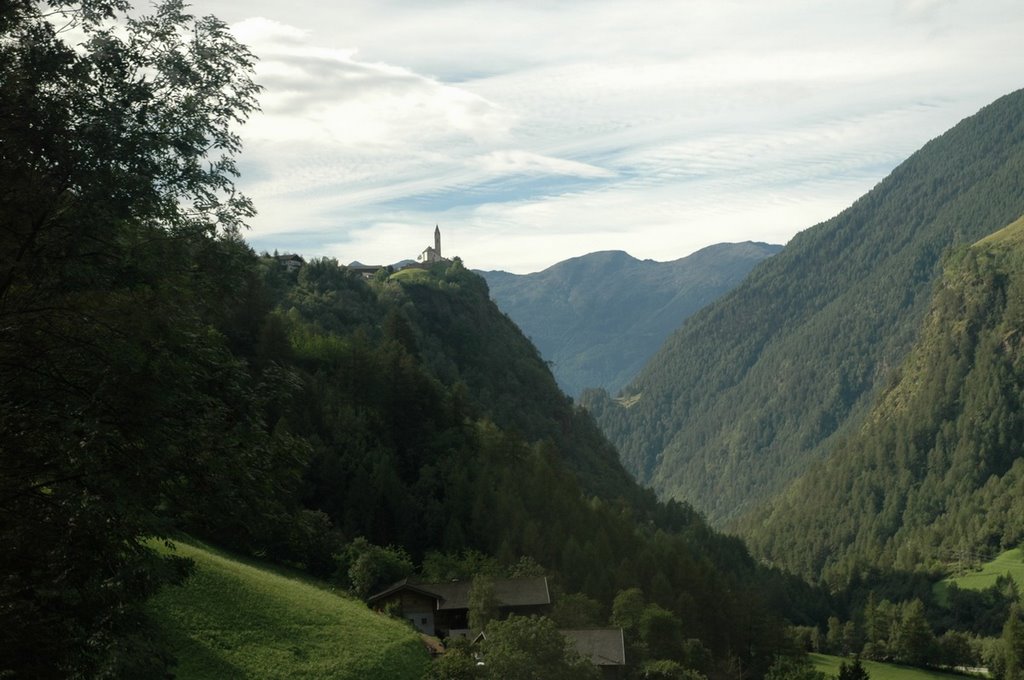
(423, 620)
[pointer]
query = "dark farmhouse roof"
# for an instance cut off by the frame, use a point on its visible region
(399, 586)
(509, 592)
(602, 646)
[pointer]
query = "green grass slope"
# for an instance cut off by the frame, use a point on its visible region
(760, 384)
(237, 620)
(1007, 562)
(1012, 235)
(829, 665)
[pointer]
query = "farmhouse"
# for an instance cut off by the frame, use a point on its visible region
(442, 609)
(290, 262)
(367, 271)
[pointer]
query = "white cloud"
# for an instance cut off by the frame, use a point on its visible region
(920, 10)
(537, 131)
(330, 95)
(262, 32)
(517, 161)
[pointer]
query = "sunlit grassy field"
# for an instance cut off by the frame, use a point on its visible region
(1011, 561)
(881, 671)
(1014, 233)
(240, 620)
(412, 275)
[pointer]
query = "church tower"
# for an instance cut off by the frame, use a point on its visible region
(433, 254)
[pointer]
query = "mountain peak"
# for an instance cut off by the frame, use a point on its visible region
(599, 316)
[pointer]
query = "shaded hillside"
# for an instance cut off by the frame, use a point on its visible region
(754, 387)
(599, 317)
(467, 340)
(937, 469)
(435, 426)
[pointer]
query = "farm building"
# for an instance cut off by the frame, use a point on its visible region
(442, 609)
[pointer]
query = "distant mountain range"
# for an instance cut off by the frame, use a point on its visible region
(599, 317)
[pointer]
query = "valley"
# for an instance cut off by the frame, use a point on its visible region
(756, 388)
(753, 462)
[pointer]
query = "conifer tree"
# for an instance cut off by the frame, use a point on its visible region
(853, 670)
(1009, 664)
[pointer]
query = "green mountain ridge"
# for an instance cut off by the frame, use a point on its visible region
(599, 317)
(757, 386)
(936, 468)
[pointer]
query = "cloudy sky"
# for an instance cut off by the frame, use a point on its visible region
(536, 131)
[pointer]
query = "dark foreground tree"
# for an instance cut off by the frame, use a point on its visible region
(853, 670)
(1008, 658)
(532, 648)
(457, 663)
(120, 401)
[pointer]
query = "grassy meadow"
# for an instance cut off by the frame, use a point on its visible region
(881, 671)
(1009, 235)
(1010, 562)
(412, 275)
(234, 619)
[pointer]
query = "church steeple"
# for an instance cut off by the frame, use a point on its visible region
(437, 240)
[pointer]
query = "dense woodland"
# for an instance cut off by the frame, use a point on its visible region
(437, 415)
(760, 384)
(936, 468)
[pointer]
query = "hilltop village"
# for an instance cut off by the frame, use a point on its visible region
(429, 256)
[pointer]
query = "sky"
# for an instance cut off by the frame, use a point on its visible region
(534, 131)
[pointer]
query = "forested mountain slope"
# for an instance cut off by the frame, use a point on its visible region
(754, 388)
(466, 340)
(599, 317)
(432, 425)
(937, 468)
